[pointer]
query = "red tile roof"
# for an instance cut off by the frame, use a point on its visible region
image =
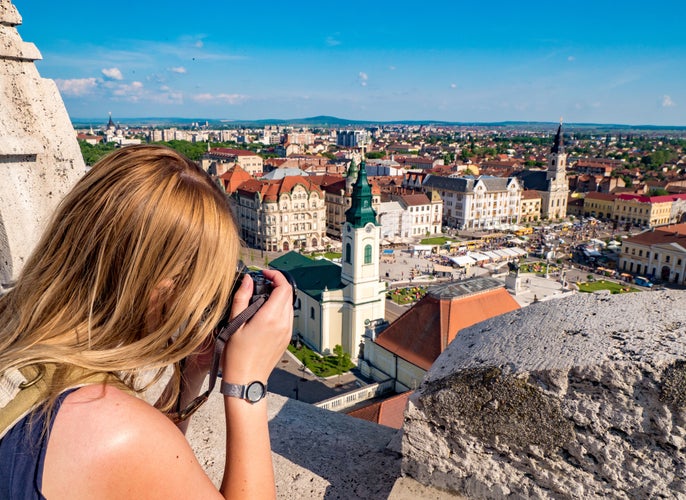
(529, 194)
(233, 178)
(231, 152)
(675, 233)
(416, 199)
(422, 333)
(389, 412)
(272, 189)
(593, 195)
(652, 199)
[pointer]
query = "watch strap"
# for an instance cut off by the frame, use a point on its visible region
(233, 390)
(241, 391)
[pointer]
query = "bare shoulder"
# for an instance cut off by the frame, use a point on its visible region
(106, 443)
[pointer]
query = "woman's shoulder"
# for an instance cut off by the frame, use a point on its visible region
(106, 442)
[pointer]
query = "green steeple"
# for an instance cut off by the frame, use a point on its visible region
(361, 212)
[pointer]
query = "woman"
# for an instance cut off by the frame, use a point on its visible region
(133, 273)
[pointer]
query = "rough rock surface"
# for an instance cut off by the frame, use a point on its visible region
(577, 398)
(317, 453)
(39, 156)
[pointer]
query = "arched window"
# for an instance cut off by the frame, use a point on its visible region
(368, 254)
(348, 253)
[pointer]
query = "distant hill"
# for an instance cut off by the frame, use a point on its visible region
(333, 121)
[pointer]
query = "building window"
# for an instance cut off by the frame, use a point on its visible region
(311, 312)
(348, 257)
(368, 254)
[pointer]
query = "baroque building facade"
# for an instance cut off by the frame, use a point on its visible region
(482, 202)
(284, 214)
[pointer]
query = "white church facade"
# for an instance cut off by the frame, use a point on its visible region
(337, 301)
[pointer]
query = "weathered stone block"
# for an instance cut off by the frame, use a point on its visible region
(583, 397)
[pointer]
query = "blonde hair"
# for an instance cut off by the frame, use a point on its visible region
(142, 216)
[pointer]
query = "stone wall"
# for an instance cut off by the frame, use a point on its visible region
(583, 397)
(39, 156)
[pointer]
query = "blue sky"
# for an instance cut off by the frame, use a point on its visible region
(586, 61)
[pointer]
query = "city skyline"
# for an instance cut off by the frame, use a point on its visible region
(597, 62)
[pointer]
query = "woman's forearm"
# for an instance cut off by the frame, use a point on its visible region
(248, 472)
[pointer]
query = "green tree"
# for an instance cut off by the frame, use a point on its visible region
(375, 155)
(93, 153)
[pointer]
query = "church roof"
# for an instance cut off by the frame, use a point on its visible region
(361, 212)
(311, 276)
(534, 179)
(421, 334)
(559, 143)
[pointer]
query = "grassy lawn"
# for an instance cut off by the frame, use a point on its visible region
(538, 268)
(406, 295)
(321, 366)
(326, 255)
(439, 240)
(592, 286)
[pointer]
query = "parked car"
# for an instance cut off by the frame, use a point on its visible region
(641, 281)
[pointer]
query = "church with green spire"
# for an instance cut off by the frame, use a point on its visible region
(338, 301)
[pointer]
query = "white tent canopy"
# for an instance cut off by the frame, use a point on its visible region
(463, 261)
(479, 257)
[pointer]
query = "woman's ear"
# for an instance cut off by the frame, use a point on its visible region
(159, 299)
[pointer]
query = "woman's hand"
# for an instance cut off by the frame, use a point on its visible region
(253, 351)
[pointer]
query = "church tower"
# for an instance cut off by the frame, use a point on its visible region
(555, 200)
(364, 294)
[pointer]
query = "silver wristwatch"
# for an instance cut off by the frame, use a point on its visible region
(253, 392)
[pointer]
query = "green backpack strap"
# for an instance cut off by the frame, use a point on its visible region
(23, 390)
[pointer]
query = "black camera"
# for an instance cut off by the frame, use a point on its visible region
(262, 287)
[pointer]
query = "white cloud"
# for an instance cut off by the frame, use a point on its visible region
(199, 44)
(571, 58)
(77, 86)
(112, 73)
(332, 42)
(667, 102)
(363, 78)
(453, 85)
(219, 98)
(178, 69)
(132, 92)
(392, 68)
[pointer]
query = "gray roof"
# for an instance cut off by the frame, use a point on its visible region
(280, 173)
(466, 184)
(462, 288)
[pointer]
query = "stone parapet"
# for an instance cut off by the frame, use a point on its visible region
(9, 16)
(317, 453)
(583, 397)
(40, 158)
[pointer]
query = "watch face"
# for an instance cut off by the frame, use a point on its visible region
(256, 391)
(368, 228)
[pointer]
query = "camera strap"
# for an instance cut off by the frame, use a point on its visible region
(220, 341)
(226, 332)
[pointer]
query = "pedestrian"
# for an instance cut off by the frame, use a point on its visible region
(133, 273)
